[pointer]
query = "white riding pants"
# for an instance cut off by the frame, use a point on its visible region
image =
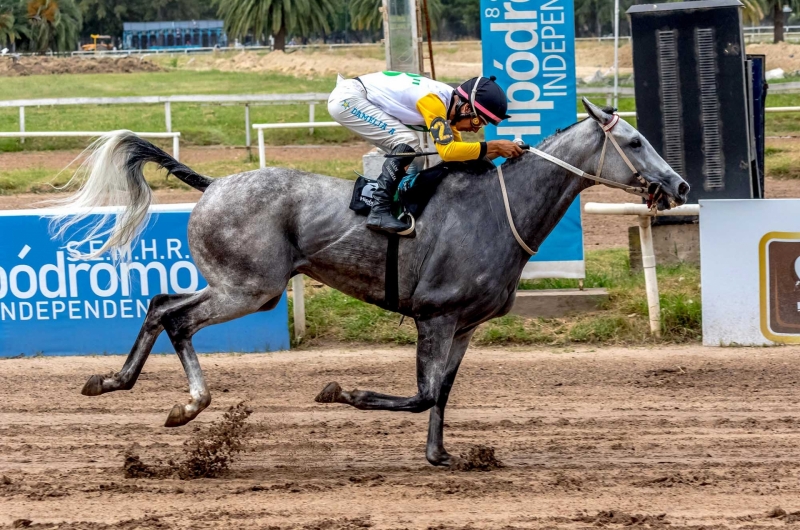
(348, 105)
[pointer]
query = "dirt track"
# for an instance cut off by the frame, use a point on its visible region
(709, 437)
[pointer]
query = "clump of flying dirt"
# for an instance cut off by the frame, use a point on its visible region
(621, 518)
(208, 454)
(478, 458)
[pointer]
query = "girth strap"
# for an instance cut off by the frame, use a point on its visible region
(391, 288)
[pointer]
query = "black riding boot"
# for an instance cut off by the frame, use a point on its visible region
(380, 216)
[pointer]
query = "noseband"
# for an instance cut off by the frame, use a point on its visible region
(650, 192)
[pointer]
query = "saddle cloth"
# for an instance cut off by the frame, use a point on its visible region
(413, 192)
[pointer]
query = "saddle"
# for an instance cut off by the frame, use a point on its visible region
(413, 192)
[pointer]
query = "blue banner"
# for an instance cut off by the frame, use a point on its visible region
(529, 46)
(54, 304)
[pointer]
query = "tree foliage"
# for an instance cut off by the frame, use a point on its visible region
(53, 25)
(261, 18)
(10, 31)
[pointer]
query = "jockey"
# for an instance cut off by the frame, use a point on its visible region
(385, 108)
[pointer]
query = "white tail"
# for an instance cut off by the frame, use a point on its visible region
(110, 175)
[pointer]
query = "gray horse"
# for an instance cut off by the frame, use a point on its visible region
(251, 232)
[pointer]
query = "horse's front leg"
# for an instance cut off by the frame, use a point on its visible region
(434, 340)
(435, 451)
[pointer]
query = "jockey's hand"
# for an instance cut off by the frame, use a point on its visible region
(504, 148)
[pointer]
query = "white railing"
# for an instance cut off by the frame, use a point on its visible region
(648, 254)
(176, 146)
(260, 127)
(311, 98)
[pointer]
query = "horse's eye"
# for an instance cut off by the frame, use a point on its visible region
(636, 143)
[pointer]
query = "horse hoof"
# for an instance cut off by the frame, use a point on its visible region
(94, 386)
(442, 459)
(329, 394)
(176, 417)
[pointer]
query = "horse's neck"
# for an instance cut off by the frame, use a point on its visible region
(540, 192)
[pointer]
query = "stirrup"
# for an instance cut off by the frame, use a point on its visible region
(410, 230)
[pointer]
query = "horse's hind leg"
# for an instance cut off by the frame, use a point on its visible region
(181, 323)
(151, 329)
(435, 337)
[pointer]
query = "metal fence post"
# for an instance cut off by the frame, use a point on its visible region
(650, 278)
(311, 107)
(22, 123)
(247, 125)
(262, 155)
(176, 146)
(168, 115)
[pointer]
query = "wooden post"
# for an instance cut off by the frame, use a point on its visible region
(650, 279)
(311, 107)
(430, 42)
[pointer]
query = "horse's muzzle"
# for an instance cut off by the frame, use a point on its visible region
(672, 191)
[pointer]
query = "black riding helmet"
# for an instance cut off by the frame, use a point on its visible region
(486, 99)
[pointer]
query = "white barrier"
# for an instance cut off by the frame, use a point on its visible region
(259, 127)
(648, 254)
(176, 147)
(311, 98)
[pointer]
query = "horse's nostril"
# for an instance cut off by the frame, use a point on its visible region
(683, 189)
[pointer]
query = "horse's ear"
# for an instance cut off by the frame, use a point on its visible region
(596, 113)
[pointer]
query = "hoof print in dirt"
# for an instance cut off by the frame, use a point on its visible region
(329, 394)
(621, 518)
(478, 458)
(21, 523)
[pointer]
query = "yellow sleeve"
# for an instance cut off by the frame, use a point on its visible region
(431, 107)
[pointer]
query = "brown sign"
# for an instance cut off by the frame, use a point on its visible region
(784, 291)
(781, 287)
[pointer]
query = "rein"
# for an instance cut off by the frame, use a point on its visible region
(649, 193)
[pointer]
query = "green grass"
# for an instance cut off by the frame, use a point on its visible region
(199, 124)
(334, 317)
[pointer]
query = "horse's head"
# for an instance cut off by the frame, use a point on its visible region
(668, 187)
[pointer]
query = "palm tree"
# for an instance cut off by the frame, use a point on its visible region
(54, 25)
(279, 18)
(365, 14)
(774, 7)
(8, 32)
(13, 25)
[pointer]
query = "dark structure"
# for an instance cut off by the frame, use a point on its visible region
(166, 35)
(695, 96)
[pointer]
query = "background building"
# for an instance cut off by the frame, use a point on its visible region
(179, 34)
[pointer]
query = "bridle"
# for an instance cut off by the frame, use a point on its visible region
(650, 192)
